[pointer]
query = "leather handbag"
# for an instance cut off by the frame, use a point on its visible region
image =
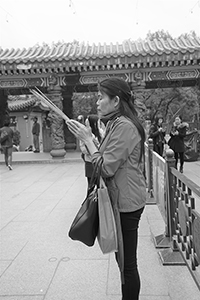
(85, 226)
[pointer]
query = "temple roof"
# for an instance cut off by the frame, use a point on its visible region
(70, 52)
(20, 104)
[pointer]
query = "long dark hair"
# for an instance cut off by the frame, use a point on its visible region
(93, 121)
(157, 118)
(115, 86)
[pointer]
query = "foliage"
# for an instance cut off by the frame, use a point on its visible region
(16, 137)
(158, 34)
(171, 101)
(186, 35)
(84, 104)
(164, 102)
(165, 35)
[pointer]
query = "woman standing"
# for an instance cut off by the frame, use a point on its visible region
(176, 141)
(157, 133)
(122, 150)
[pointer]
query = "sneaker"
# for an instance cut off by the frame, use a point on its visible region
(9, 167)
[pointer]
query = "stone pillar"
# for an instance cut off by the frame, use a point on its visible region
(56, 127)
(67, 94)
(138, 88)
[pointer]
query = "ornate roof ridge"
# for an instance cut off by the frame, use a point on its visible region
(79, 51)
(19, 104)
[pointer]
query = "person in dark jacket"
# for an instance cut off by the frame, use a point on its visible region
(157, 133)
(7, 144)
(176, 142)
(91, 122)
(36, 133)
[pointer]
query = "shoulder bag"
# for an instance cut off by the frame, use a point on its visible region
(107, 234)
(85, 226)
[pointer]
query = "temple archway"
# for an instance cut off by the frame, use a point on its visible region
(64, 68)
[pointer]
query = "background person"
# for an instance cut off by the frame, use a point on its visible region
(176, 142)
(122, 150)
(36, 133)
(157, 133)
(7, 145)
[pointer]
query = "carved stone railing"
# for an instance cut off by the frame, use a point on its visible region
(186, 221)
(176, 201)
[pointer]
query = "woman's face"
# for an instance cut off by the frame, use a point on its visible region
(105, 105)
(177, 121)
(160, 121)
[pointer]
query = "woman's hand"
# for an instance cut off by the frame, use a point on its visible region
(80, 131)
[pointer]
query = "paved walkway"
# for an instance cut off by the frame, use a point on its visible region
(31, 157)
(191, 169)
(38, 261)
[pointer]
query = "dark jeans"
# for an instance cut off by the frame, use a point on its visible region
(129, 223)
(181, 156)
(36, 142)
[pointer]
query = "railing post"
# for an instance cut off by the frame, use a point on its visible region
(164, 240)
(170, 162)
(170, 256)
(150, 163)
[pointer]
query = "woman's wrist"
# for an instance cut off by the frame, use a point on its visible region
(91, 147)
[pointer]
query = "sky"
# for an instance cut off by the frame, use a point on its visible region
(24, 23)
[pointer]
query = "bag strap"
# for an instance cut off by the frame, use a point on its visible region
(95, 178)
(109, 126)
(102, 183)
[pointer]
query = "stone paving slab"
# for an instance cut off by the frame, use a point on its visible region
(79, 279)
(42, 158)
(154, 272)
(22, 297)
(38, 261)
(4, 264)
(6, 216)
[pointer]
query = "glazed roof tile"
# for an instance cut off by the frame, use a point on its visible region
(85, 51)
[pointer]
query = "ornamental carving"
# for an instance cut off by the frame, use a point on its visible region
(138, 76)
(53, 80)
(183, 74)
(57, 136)
(92, 79)
(12, 83)
(196, 230)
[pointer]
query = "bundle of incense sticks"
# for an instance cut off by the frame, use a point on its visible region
(38, 94)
